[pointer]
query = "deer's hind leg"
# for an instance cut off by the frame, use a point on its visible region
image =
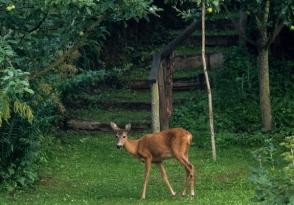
(189, 174)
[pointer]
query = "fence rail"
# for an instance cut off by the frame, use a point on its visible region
(161, 79)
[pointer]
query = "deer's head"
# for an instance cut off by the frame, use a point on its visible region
(121, 134)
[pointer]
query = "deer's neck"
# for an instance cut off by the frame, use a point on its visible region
(131, 146)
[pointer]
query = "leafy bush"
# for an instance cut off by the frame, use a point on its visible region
(72, 88)
(274, 186)
(282, 92)
(235, 92)
(21, 147)
(39, 44)
(235, 104)
(185, 116)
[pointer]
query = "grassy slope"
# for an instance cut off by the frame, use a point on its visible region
(89, 169)
(101, 114)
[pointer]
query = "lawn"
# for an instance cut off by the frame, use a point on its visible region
(87, 168)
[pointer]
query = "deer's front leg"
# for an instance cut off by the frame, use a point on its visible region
(164, 176)
(147, 171)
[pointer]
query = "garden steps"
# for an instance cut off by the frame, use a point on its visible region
(100, 126)
(183, 62)
(186, 83)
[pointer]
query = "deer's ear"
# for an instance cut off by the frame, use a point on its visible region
(128, 127)
(114, 126)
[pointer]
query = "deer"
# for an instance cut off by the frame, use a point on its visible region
(156, 147)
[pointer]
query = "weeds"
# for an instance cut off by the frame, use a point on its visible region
(274, 186)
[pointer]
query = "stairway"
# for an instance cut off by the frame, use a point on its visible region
(131, 104)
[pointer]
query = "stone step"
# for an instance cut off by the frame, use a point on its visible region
(194, 61)
(214, 40)
(178, 83)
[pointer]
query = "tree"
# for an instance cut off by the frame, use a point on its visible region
(199, 10)
(208, 85)
(41, 38)
(39, 42)
(267, 18)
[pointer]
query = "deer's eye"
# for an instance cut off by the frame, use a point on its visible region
(124, 136)
(116, 136)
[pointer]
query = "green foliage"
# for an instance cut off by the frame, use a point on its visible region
(274, 186)
(14, 83)
(39, 42)
(71, 87)
(194, 7)
(184, 116)
(19, 152)
(277, 11)
(235, 104)
(236, 92)
(21, 147)
(282, 93)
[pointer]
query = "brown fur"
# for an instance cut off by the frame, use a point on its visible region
(156, 147)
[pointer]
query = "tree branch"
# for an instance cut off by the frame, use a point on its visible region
(231, 18)
(40, 23)
(278, 25)
(277, 29)
(71, 49)
(30, 55)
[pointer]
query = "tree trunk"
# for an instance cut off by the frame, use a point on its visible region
(213, 149)
(264, 90)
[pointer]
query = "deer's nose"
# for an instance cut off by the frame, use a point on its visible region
(119, 146)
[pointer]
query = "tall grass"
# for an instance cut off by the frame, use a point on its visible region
(87, 168)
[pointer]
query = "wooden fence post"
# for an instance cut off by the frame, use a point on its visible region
(160, 79)
(169, 69)
(155, 107)
(162, 99)
(153, 79)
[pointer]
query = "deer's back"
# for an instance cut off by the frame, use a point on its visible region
(163, 145)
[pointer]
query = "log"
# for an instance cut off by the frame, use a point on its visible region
(87, 125)
(194, 61)
(98, 126)
(219, 40)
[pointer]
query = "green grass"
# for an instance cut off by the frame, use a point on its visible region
(107, 115)
(132, 115)
(210, 32)
(122, 95)
(87, 168)
(191, 49)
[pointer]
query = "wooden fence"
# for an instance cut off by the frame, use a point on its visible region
(161, 80)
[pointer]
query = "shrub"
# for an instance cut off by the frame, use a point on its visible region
(21, 147)
(235, 104)
(274, 186)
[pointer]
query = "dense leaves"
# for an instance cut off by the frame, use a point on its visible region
(274, 186)
(236, 103)
(39, 51)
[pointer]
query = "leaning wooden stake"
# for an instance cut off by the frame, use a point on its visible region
(208, 85)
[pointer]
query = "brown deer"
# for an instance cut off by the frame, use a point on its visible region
(156, 147)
